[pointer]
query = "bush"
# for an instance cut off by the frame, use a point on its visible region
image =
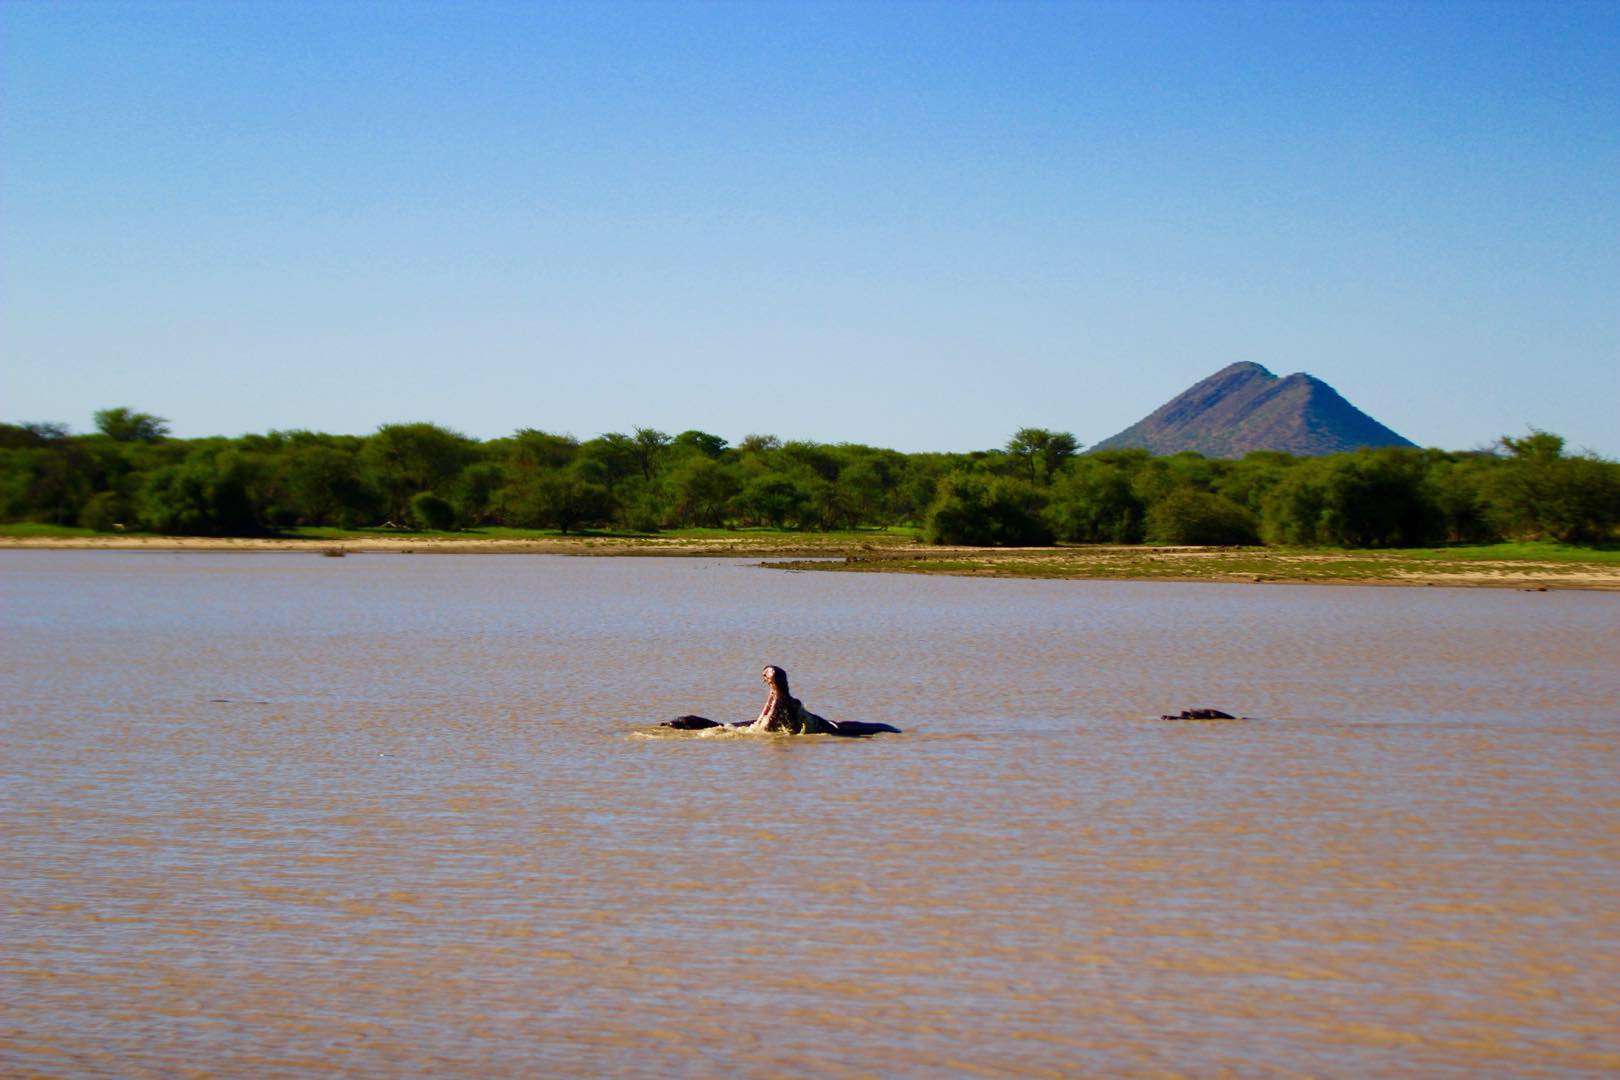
(206, 494)
(1095, 504)
(1370, 498)
(1190, 516)
(986, 512)
(103, 512)
(1539, 491)
(702, 491)
(772, 500)
(428, 511)
(559, 500)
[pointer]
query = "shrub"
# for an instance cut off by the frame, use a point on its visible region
(559, 500)
(428, 511)
(772, 500)
(986, 512)
(1095, 504)
(206, 494)
(1190, 516)
(1370, 498)
(1539, 491)
(103, 512)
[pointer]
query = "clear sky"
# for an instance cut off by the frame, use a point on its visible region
(916, 225)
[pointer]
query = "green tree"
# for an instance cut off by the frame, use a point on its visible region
(771, 499)
(1042, 452)
(125, 425)
(863, 487)
(1378, 498)
(986, 511)
(1292, 510)
(1458, 484)
(609, 460)
(1189, 516)
(476, 492)
(17, 436)
(530, 449)
(647, 448)
(47, 483)
(1369, 498)
(827, 505)
(759, 445)
(702, 490)
(403, 460)
(325, 486)
(561, 499)
(1539, 491)
(205, 495)
(104, 511)
(429, 511)
(1247, 481)
(710, 446)
(810, 459)
(1095, 503)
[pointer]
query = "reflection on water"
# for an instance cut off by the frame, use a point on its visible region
(394, 815)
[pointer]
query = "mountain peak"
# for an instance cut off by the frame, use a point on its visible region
(1244, 407)
(1243, 367)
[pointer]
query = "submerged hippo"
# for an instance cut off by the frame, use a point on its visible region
(1199, 714)
(784, 712)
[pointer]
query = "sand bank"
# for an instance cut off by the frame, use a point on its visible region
(886, 555)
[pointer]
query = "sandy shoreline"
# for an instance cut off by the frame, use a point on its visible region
(1126, 563)
(568, 545)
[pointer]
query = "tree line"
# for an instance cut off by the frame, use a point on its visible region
(1037, 489)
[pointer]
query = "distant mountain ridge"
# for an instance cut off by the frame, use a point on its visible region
(1244, 407)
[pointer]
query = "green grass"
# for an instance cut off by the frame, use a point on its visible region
(1516, 551)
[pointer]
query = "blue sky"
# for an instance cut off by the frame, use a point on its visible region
(916, 225)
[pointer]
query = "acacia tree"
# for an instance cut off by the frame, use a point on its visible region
(125, 425)
(647, 448)
(771, 499)
(1540, 491)
(1043, 452)
(609, 460)
(701, 490)
(408, 459)
(562, 500)
(711, 446)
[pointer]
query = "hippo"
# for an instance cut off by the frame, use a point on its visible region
(786, 713)
(849, 729)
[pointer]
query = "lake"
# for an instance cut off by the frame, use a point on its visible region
(408, 815)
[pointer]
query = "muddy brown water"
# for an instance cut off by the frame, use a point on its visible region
(272, 814)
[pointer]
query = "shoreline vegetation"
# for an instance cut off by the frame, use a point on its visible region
(1524, 513)
(1532, 566)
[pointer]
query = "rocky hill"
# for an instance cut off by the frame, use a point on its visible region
(1244, 407)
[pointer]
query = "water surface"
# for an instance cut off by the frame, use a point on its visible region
(276, 814)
